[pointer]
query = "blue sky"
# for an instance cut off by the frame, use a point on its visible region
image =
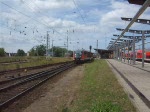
(24, 23)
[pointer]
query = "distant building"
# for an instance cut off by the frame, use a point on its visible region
(67, 55)
(10, 54)
(28, 54)
(14, 54)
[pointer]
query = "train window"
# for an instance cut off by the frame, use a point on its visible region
(77, 52)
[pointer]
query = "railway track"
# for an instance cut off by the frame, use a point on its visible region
(13, 90)
(13, 62)
(20, 74)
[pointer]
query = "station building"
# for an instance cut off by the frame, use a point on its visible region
(104, 53)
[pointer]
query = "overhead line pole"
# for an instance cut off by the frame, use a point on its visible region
(97, 48)
(67, 42)
(141, 10)
(47, 44)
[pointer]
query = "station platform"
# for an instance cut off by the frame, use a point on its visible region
(137, 78)
(137, 64)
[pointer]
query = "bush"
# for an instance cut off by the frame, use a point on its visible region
(20, 52)
(2, 52)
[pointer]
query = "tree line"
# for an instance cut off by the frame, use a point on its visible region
(20, 52)
(40, 50)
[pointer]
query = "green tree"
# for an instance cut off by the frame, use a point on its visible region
(39, 50)
(59, 52)
(2, 52)
(20, 52)
(32, 52)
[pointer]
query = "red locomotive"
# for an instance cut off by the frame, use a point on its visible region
(80, 56)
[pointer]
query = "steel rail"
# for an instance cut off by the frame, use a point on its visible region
(4, 104)
(31, 78)
(33, 74)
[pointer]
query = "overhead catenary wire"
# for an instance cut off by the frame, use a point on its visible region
(30, 17)
(26, 16)
(79, 11)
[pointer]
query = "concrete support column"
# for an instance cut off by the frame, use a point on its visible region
(130, 54)
(115, 52)
(134, 50)
(128, 51)
(118, 53)
(124, 51)
(143, 36)
(121, 54)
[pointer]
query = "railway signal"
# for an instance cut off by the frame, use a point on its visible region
(90, 48)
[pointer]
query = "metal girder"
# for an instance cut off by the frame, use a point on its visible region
(143, 21)
(135, 31)
(131, 37)
(138, 2)
(144, 43)
(137, 37)
(141, 10)
(112, 41)
(128, 39)
(118, 40)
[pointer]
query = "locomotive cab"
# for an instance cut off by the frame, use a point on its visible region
(77, 55)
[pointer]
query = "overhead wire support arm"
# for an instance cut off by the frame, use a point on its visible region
(131, 37)
(143, 21)
(135, 31)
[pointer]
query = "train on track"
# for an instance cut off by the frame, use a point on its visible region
(81, 56)
(138, 55)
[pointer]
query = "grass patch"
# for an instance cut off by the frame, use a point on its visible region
(100, 91)
(31, 61)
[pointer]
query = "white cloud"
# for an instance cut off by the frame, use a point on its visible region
(101, 18)
(42, 5)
